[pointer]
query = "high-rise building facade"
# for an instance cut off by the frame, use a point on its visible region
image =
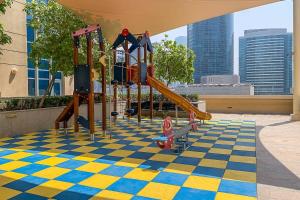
(266, 60)
(18, 74)
(212, 42)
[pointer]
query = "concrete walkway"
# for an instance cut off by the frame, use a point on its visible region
(278, 155)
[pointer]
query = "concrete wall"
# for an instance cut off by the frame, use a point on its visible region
(25, 121)
(203, 89)
(15, 54)
(262, 104)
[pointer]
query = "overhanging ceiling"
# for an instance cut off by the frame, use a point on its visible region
(156, 16)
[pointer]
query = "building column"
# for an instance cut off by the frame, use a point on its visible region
(296, 38)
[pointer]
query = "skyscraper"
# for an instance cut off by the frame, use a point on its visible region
(212, 42)
(266, 60)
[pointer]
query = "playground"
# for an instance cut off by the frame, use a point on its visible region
(219, 164)
(125, 156)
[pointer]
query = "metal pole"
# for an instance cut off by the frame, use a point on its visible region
(139, 87)
(151, 89)
(75, 94)
(91, 92)
(176, 114)
(127, 76)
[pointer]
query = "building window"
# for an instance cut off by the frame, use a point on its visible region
(31, 87)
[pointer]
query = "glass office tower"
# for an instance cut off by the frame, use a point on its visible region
(266, 60)
(212, 42)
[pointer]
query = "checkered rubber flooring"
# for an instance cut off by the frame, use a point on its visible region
(220, 164)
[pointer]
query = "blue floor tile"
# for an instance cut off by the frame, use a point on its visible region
(116, 170)
(3, 161)
(20, 185)
(30, 169)
(208, 171)
(170, 178)
(217, 156)
(244, 153)
(6, 152)
(25, 196)
(194, 194)
(131, 186)
(187, 160)
(72, 164)
(241, 166)
(155, 165)
(102, 151)
(238, 187)
(141, 155)
(35, 158)
(34, 180)
(74, 176)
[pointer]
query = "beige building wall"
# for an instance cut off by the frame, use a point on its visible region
(13, 62)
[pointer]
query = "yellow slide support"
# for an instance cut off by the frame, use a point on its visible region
(177, 99)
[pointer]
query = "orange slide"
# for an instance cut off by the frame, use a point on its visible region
(177, 99)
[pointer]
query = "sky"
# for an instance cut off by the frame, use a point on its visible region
(275, 15)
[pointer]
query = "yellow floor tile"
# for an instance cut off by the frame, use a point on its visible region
(243, 148)
(209, 137)
(22, 148)
(51, 172)
(85, 149)
(203, 183)
(13, 175)
(52, 161)
(121, 153)
(243, 159)
(220, 151)
(213, 163)
(141, 143)
(133, 138)
(81, 143)
(93, 167)
(100, 181)
(150, 149)
(8, 177)
(193, 154)
(142, 174)
(202, 144)
(86, 158)
(112, 195)
(159, 191)
(240, 175)
(49, 153)
(17, 156)
(53, 145)
(25, 142)
(180, 168)
(163, 157)
(225, 142)
(130, 162)
(13, 165)
(113, 146)
(227, 196)
(50, 189)
(245, 140)
(7, 193)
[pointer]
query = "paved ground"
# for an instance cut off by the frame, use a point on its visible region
(278, 155)
(219, 165)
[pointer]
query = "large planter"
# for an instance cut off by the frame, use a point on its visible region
(25, 121)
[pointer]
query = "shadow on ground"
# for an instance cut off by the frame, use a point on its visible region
(270, 171)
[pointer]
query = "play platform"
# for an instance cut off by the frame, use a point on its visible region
(220, 164)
